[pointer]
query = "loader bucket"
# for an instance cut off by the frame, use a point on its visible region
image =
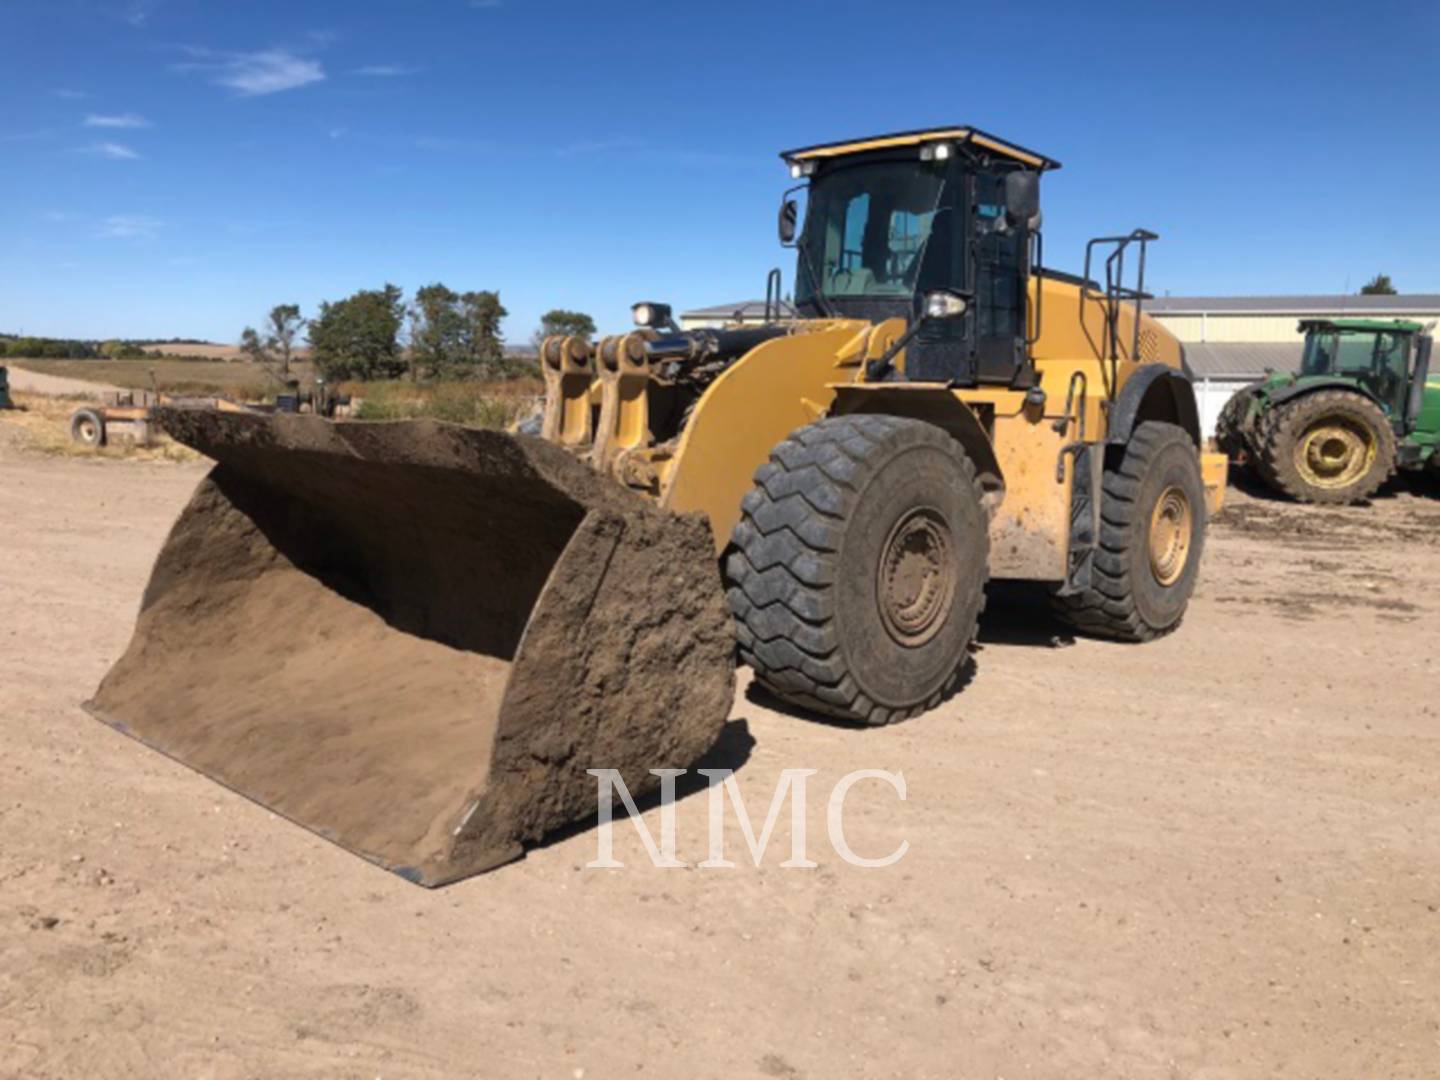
(415, 638)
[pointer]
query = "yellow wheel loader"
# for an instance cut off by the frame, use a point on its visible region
(416, 638)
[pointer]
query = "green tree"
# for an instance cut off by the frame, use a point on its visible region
(483, 347)
(437, 331)
(276, 350)
(359, 337)
(560, 321)
(1379, 285)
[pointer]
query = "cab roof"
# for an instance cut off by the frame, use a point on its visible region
(1371, 326)
(958, 133)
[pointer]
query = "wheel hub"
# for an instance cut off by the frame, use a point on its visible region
(1170, 528)
(916, 578)
(1334, 453)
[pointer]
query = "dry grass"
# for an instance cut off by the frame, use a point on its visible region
(476, 403)
(42, 425)
(245, 380)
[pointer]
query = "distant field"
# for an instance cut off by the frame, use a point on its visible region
(240, 378)
(210, 352)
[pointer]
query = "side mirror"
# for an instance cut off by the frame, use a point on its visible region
(1022, 199)
(789, 220)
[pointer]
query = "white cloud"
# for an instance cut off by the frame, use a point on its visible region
(254, 74)
(138, 14)
(119, 120)
(386, 71)
(112, 150)
(130, 227)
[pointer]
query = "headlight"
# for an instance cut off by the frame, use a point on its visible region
(945, 304)
(649, 313)
(937, 151)
(800, 169)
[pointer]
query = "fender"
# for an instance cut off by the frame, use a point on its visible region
(1311, 384)
(1154, 392)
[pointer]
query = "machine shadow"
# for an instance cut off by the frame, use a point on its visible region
(1019, 613)
(757, 693)
(1016, 613)
(1243, 479)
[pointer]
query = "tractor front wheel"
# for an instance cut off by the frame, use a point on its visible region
(1331, 446)
(858, 567)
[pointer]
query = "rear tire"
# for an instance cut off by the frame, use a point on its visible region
(87, 427)
(858, 568)
(1152, 532)
(1229, 425)
(1331, 446)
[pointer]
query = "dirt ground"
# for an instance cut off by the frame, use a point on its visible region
(1214, 856)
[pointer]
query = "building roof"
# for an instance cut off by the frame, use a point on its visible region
(1364, 325)
(1405, 303)
(741, 309)
(1244, 359)
(957, 133)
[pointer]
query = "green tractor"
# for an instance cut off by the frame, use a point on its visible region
(1364, 404)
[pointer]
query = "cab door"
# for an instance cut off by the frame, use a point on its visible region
(998, 269)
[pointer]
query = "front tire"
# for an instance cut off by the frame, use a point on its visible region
(1330, 446)
(1152, 532)
(858, 567)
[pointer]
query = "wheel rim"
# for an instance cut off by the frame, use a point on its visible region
(1335, 452)
(87, 431)
(1170, 527)
(916, 578)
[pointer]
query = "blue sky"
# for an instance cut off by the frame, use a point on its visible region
(176, 167)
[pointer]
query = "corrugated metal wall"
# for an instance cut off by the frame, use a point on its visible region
(1229, 328)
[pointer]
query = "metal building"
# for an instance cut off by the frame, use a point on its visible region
(1231, 341)
(1249, 319)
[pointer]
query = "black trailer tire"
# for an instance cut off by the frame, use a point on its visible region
(858, 567)
(1334, 447)
(87, 427)
(1152, 533)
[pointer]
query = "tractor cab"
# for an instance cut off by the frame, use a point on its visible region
(1379, 355)
(937, 227)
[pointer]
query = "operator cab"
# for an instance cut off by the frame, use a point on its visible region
(1377, 354)
(893, 219)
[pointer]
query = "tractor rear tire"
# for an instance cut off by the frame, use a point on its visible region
(87, 427)
(858, 568)
(1229, 430)
(1332, 446)
(1152, 532)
